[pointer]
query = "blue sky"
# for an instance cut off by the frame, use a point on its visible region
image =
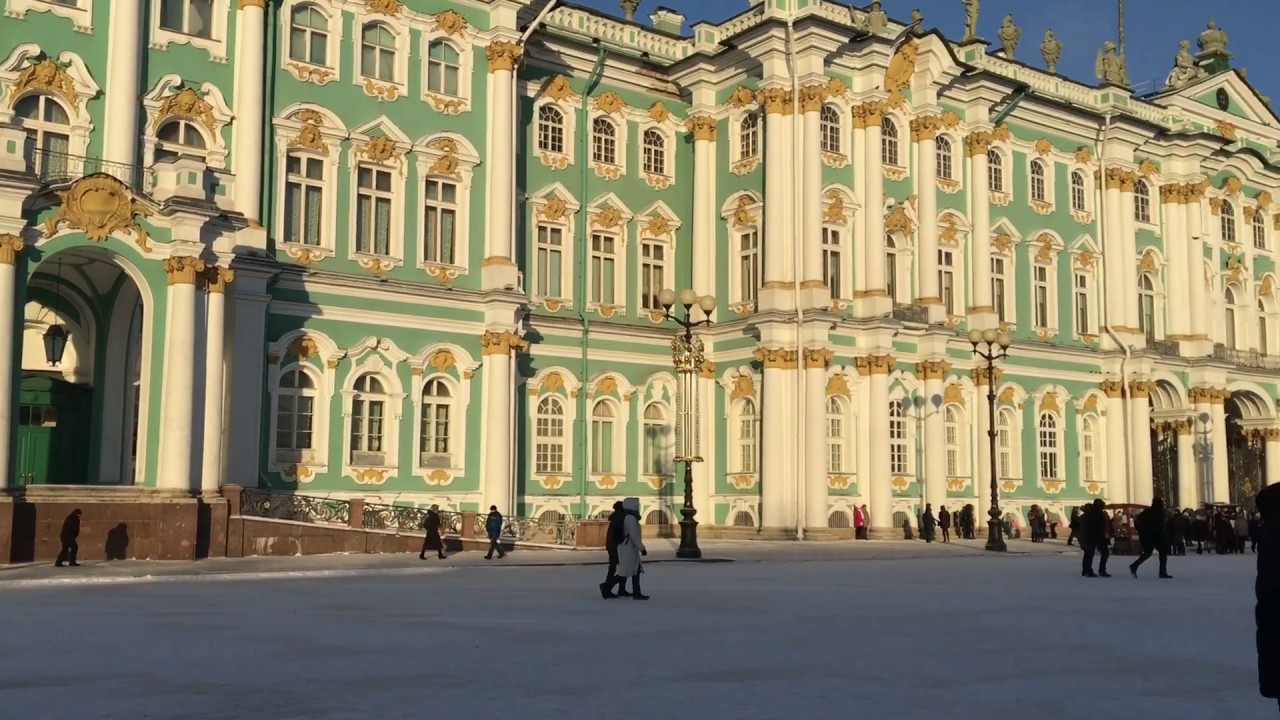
(1153, 29)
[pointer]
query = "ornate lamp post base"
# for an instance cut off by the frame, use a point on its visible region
(688, 549)
(995, 536)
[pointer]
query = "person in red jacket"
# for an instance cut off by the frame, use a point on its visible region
(1267, 589)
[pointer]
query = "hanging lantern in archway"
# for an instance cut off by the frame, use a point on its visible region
(55, 344)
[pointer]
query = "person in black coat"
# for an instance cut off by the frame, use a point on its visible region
(612, 537)
(1150, 525)
(944, 524)
(70, 533)
(927, 523)
(1267, 589)
(433, 539)
(1095, 531)
(493, 528)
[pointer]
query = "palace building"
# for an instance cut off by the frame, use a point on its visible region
(411, 251)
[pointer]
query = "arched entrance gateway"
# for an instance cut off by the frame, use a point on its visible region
(1247, 426)
(1167, 413)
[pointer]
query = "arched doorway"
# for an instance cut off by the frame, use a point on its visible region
(1166, 404)
(81, 412)
(1246, 449)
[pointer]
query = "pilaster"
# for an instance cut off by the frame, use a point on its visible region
(982, 314)
(1140, 427)
(215, 371)
(814, 292)
(179, 388)
(249, 101)
(878, 490)
(776, 292)
(815, 435)
(1197, 293)
(924, 133)
(872, 298)
(498, 269)
(933, 373)
(777, 483)
(1127, 180)
(11, 247)
(703, 127)
(496, 459)
(1175, 247)
(121, 129)
(1118, 467)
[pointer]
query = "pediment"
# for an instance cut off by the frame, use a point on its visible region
(1225, 95)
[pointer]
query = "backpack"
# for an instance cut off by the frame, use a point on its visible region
(618, 532)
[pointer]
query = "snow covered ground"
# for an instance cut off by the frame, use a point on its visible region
(950, 636)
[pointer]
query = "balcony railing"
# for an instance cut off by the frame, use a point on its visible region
(911, 313)
(1246, 358)
(57, 168)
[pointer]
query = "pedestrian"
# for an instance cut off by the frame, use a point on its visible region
(1241, 524)
(927, 523)
(493, 527)
(631, 548)
(1255, 531)
(944, 523)
(614, 535)
(1267, 589)
(433, 539)
(1074, 525)
(1178, 532)
(859, 524)
(906, 529)
(1095, 537)
(1150, 525)
(70, 533)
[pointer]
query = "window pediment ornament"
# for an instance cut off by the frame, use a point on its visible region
(559, 89)
(1084, 155)
(742, 214)
(950, 232)
(187, 104)
(446, 163)
(555, 209)
(838, 385)
(902, 67)
(1232, 185)
(1049, 402)
(100, 206)
(835, 209)
(1045, 247)
(953, 394)
(380, 149)
(45, 75)
(1043, 147)
(1149, 262)
(1147, 168)
(898, 221)
(450, 22)
(390, 8)
(29, 69)
(610, 103)
(659, 113)
(1002, 242)
(1267, 289)
(1085, 259)
(742, 97)
(309, 136)
(608, 218)
(743, 385)
(658, 226)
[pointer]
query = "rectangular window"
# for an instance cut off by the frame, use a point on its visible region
(748, 265)
(947, 280)
(601, 446)
(1006, 452)
(433, 436)
(898, 446)
(891, 275)
(366, 426)
(997, 288)
(303, 199)
(189, 17)
(653, 271)
(439, 222)
(747, 444)
(952, 438)
(1041, 295)
(1083, 324)
(835, 444)
(550, 256)
(603, 260)
(831, 260)
(373, 211)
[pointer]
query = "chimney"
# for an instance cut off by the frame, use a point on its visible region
(667, 20)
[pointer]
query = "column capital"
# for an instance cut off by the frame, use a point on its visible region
(703, 127)
(503, 55)
(501, 342)
(775, 100)
(183, 270)
(246, 4)
(979, 375)
(1173, 194)
(875, 364)
(925, 127)
(1182, 427)
(1140, 389)
(776, 358)
(813, 96)
(1119, 178)
(11, 246)
(708, 370)
(1112, 388)
(1271, 434)
(977, 142)
(817, 358)
(1194, 191)
(1208, 395)
(216, 278)
(868, 114)
(932, 369)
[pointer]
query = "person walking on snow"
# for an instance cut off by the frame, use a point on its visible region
(927, 523)
(944, 524)
(1267, 590)
(70, 533)
(631, 548)
(433, 539)
(612, 537)
(493, 528)
(1150, 524)
(1095, 537)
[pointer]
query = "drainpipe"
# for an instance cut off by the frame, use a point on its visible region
(797, 254)
(1100, 188)
(580, 262)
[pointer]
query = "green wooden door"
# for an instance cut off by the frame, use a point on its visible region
(53, 432)
(36, 424)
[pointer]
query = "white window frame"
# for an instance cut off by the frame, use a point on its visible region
(1090, 443)
(742, 216)
(1011, 450)
(1260, 235)
(955, 436)
(395, 237)
(325, 185)
(665, 268)
(459, 402)
(1078, 186)
(1089, 295)
(290, 134)
(1265, 326)
(949, 290)
(898, 271)
(538, 207)
(596, 282)
(663, 169)
(83, 84)
(744, 256)
(831, 130)
(441, 102)
(1049, 442)
(666, 453)
(745, 459)
(568, 125)
(1157, 303)
(1009, 284)
(998, 170)
(1050, 285)
(80, 14)
(744, 162)
(901, 439)
(944, 151)
(1141, 201)
(216, 44)
(382, 90)
(891, 145)
(40, 131)
(1228, 223)
(835, 259)
(1233, 311)
(616, 464)
(564, 441)
(216, 147)
(1047, 185)
(447, 157)
(394, 398)
(838, 436)
(606, 170)
(306, 71)
(319, 415)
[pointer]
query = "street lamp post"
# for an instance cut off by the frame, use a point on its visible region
(1204, 455)
(914, 407)
(687, 356)
(991, 345)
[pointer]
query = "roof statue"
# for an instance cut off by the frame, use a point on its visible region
(1110, 66)
(629, 8)
(877, 21)
(1009, 34)
(917, 18)
(1185, 70)
(1213, 41)
(1051, 51)
(970, 19)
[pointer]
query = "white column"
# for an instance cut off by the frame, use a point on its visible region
(775, 291)
(934, 454)
(214, 379)
(249, 107)
(124, 79)
(178, 395)
(1175, 240)
(813, 281)
(981, 473)
(1221, 469)
(247, 337)
(815, 435)
(496, 347)
(499, 268)
(10, 247)
(703, 233)
(1140, 442)
(879, 490)
(872, 204)
(705, 472)
(1129, 278)
(862, 437)
(858, 181)
(1272, 436)
(924, 131)
(976, 146)
(1188, 482)
(1117, 444)
(1118, 262)
(1197, 294)
(775, 478)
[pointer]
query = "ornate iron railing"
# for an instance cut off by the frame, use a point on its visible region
(911, 313)
(409, 519)
(1246, 358)
(300, 508)
(532, 530)
(56, 168)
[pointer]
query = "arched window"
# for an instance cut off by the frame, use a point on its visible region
(1264, 330)
(295, 414)
(1077, 191)
(1004, 443)
(748, 424)
(304, 188)
(179, 138)
(1142, 202)
(655, 152)
(898, 455)
(943, 160)
(829, 129)
(440, 210)
(444, 68)
(550, 129)
(952, 438)
(1039, 190)
(838, 519)
(1229, 322)
(837, 442)
(1088, 450)
(434, 449)
(1048, 447)
(378, 52)
(368, 419)
(749, 136)
(188, 17)
(1147, 306)
(742, 518)
(656, 458)
(995, 171)
(657, 517)
(888, 141)
(1260, 229)
(1228, 222)
(308, 35)
(549, 439)
(603, 424)
(47, 123)
(604, 141)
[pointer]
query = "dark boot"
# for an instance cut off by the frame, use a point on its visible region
(622, 586)
(605, 588)
(636, 594)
